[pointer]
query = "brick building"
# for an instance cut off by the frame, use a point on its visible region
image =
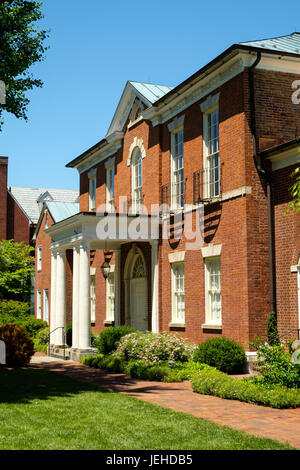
(181, 225)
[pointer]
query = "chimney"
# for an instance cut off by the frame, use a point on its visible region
(3, 197)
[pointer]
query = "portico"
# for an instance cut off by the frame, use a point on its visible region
(86, 232)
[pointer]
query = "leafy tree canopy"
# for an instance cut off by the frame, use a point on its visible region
(295, 191)
(21, 45)
(16, 270)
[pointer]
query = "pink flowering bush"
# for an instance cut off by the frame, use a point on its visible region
(153, 348)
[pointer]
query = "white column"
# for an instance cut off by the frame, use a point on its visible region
(154, 266)
(75, 298)
(60, 315)
(84, 298)
(53, 296)
(117, 287)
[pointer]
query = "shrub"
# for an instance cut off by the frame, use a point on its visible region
(19, 347)
(214, 382)
(272, 332)
(144, 371)
(276, 367)
(153, 348)
(185, 371)
(224, 354)
(32, 325)
(108, 339)
(43, 335)
(13, 309)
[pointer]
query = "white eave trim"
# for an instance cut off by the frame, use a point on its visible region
(114, 143)
(215, 77)
(285, 158)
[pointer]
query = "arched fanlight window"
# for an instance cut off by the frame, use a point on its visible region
(138, 268)
(137, 195)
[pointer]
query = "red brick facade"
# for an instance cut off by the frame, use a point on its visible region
(237, 223)
(14, 224)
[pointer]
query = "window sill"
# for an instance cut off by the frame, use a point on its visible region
(211, 327)
(109, 323)
(177, 326)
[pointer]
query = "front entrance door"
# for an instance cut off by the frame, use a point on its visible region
(138, 294)
(138, 304)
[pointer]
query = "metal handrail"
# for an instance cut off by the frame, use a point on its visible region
(64, 336)
(291, 331)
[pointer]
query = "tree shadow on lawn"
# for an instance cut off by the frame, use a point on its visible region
(25, 385)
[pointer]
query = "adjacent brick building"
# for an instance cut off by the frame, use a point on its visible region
(206, 154)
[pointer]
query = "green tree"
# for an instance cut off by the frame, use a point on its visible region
(272, 331)
(295, 191)
(21, 45)
(16, 270)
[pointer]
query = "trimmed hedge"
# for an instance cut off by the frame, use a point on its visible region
(216, 383)
(135, 369)
(107, 341)
(223, 354)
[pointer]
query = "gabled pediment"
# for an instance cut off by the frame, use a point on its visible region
(135, 94)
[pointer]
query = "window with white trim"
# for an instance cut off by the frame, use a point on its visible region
(110, 297)
(178, 301)
(211, 153)
(39, 258)
(46, 305)
(110, 188)
(93, 298)
(137, 191)
(39, 304)
(177, 172)
(213, 310)
(92, 193)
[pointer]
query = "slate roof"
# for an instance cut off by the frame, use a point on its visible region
(28, 199)
(289, 43)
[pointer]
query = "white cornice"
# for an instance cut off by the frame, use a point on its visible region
(214, 78)
(125, 104)
(285, 158)
(114, 143)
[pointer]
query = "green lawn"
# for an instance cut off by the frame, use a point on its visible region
(46, 410)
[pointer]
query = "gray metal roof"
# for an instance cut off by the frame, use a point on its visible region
(150, 91)
(62, 210)
(289, 43)
(31, 199)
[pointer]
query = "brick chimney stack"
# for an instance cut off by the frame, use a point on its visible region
(3, 197)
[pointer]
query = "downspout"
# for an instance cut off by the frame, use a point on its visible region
(267, 176)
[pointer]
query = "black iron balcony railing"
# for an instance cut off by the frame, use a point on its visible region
(173, 195)
(207, 184)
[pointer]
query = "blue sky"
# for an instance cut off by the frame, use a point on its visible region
(96, 46)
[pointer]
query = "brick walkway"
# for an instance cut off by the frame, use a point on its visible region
(281, 425)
